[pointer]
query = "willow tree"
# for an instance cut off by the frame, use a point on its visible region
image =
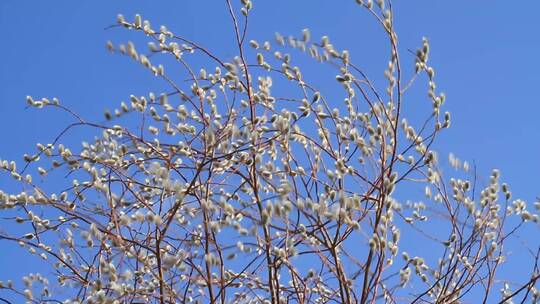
(219, 191)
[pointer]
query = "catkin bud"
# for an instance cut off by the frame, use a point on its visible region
(138, 21)
(260, 58)
(345, 57)
(306, 35)
(254, 44)
(110, 46)
(120, 18)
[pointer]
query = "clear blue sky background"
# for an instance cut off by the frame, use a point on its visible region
(485, 54)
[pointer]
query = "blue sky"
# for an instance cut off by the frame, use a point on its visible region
(485, 55)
